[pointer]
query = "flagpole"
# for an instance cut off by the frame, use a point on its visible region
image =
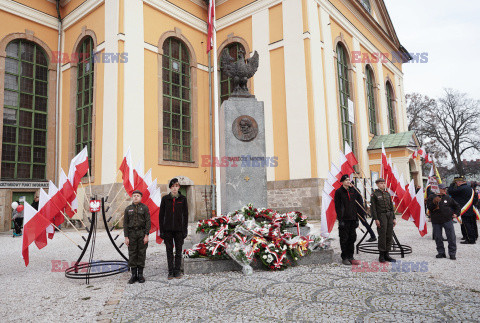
(110, 190)
(216, 112)
(65, 235)
(211, 128)
(66, 218)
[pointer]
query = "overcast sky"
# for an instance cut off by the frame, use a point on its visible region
(450, 32)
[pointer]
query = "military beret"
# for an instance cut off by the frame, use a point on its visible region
(137, 192)
(343, 178)
(380, 180)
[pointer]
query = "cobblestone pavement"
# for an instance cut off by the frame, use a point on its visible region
(439, 290)
(421, 289)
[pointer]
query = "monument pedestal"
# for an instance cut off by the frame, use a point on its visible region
(242, 149)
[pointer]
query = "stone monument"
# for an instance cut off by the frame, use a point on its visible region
(242, 138)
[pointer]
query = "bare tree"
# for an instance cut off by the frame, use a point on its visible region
(417, 104)
(452, 126)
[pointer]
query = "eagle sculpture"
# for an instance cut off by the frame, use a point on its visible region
(239, 71)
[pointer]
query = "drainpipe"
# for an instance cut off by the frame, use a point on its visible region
(57, 93)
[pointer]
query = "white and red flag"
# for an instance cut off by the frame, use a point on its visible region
(66, 189)
(34, 225)
(211, 24)
(345, 166)
(417, 212)
(328, 215)
(407, 201)
(78, 168)
(57, 198)
(41, 239)
(332, 180)
(336, 172)
(352, 160)
(127, 173)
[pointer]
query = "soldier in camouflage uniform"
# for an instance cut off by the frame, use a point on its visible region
(136, 228)
(383, 213)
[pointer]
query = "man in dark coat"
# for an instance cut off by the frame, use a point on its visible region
(465, 196)
(442, 211)
(346, 207)
(173, 220)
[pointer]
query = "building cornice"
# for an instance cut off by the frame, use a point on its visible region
(178, 13)
(26, 12)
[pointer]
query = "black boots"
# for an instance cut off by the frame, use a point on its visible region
(388, 258)
(134, 277)
(141, 279)
(381, 258)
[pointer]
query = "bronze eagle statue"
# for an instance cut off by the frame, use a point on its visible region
(239, 71)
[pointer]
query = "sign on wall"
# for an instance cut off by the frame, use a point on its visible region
(23, 184)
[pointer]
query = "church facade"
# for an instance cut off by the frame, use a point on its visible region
(113, 74)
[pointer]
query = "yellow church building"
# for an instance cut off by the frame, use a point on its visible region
(113, 74)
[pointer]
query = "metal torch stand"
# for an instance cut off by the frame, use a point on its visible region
(372, 247)
(101, 268)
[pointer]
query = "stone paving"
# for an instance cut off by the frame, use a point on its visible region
(418, 293)
(435, 290)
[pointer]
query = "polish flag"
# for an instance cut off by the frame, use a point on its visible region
(328, 215)
(333, 181)
(153, 204)
(34, 224)
(66, 189)
(78, 168)
(127, 173)
(407, 200)
(417, 211)
(352, 160)
(49, 210)
(399, 194)
(211, 28)
(59, 201)
(138, 182)
(345, 166)
(336, 172)
(41, 239)
(422, 226)
(146, 183)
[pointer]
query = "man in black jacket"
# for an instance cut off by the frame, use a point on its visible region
(173, 221)
(465, 196)
(442, 210)
(346, 208)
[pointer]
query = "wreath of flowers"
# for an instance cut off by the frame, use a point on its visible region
(251, 233)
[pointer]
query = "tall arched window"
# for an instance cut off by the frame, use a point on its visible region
(177, 124)
(391, 113)
(372, 113)
(226, 82)
(344, 95)
(84, 109)
(25, 112)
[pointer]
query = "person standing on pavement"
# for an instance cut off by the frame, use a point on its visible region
(442, 211)
(466, 197)
(35, 202)
(346, 207)
(136, 228)
(173, 220)
(384, 215)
